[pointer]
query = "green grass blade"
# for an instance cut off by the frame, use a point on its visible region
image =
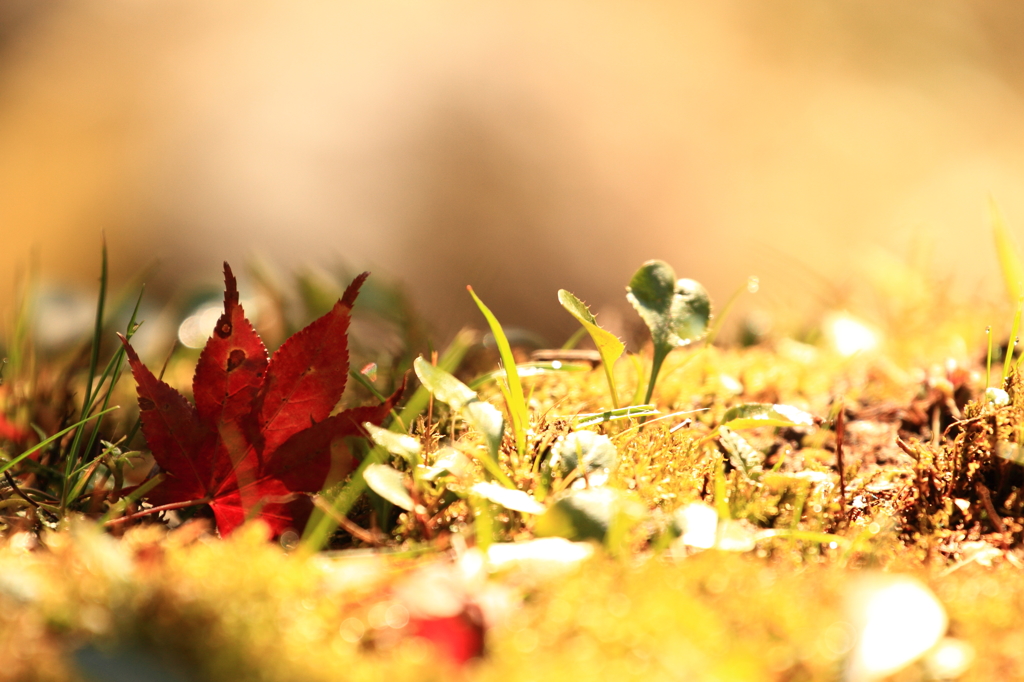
(94, 357)
(321, 525)
(71, 459)
(112, 372)
(1012, 343)
(7, 465)
(608, 345)
(113, 369)
(517, 402)
(590, 419)
(751, 286)
(365, 382)
(575, 339)
(1009, 256)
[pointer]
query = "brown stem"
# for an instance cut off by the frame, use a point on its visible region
(422, 518)
(352, 529)
(840, 433)
(157, 510)
(14, 486)
(986, 501)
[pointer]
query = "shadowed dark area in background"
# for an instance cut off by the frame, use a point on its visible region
(517, 147)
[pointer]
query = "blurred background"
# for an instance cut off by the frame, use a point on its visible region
(520, 147)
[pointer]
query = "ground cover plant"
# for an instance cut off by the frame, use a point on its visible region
(353, 508)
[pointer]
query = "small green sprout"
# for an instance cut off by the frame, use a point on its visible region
(608, 345)
(513, 389)
(483, 416)
(676, 311)
(1009, 257)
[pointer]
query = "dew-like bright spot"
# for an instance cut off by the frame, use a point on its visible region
(195, 329)
(849, 335)
(899, 620)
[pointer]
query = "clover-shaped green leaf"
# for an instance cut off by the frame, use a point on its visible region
(676, 311)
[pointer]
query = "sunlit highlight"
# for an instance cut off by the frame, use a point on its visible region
(899, 621)
(196, 328)
(849, 335)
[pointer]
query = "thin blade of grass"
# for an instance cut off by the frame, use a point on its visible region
(1009, 256)
(322, 525)
(7, 465)
(94, 359)
(1012, 343)
(574, 340)
(94, 356)
(112, 372)
(517, 402)
(592, 418)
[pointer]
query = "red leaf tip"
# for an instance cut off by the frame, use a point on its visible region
(230, 287)
(349, 297)
(132, 355)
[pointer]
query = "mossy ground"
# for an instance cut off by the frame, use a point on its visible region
(927, 495)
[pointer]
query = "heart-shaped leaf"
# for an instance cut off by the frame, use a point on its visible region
(676, 311)
(752, 415)
(608, 345)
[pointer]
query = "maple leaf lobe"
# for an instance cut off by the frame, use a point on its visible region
(261, 434)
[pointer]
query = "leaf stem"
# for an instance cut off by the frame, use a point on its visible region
(156, 510)
(660, 353)
(343, 521)
(20, 493)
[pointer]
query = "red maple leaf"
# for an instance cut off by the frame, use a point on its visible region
(260, 433)
(11, 431)
(459, 638)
